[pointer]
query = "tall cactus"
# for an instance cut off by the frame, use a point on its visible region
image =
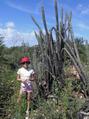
(52, 51)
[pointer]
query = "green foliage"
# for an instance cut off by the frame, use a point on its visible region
(66, 108)
(81, 49)
(48, 60)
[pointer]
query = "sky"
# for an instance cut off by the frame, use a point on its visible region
(17, 26)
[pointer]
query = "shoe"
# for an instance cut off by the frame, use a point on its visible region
(26, 117)
(27, 113)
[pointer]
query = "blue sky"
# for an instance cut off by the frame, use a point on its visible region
(17, 26)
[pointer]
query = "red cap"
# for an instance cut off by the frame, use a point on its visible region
(25, 59)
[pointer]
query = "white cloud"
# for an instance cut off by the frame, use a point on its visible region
(79, 7)
(13, 37)
(84, 10)
(83, 26)
(10, 25)
(81, 30)
(23, 9)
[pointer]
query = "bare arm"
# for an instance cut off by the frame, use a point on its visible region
(18, 77)
(33, 77)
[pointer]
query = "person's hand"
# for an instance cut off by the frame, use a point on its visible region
(24, 80)
(33, 77)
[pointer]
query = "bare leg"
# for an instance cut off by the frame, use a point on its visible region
(28, 100)
(19, 99)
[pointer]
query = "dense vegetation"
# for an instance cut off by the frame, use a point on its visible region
(63, 104)
(58, 94)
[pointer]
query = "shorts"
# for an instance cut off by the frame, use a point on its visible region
(26, 87)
